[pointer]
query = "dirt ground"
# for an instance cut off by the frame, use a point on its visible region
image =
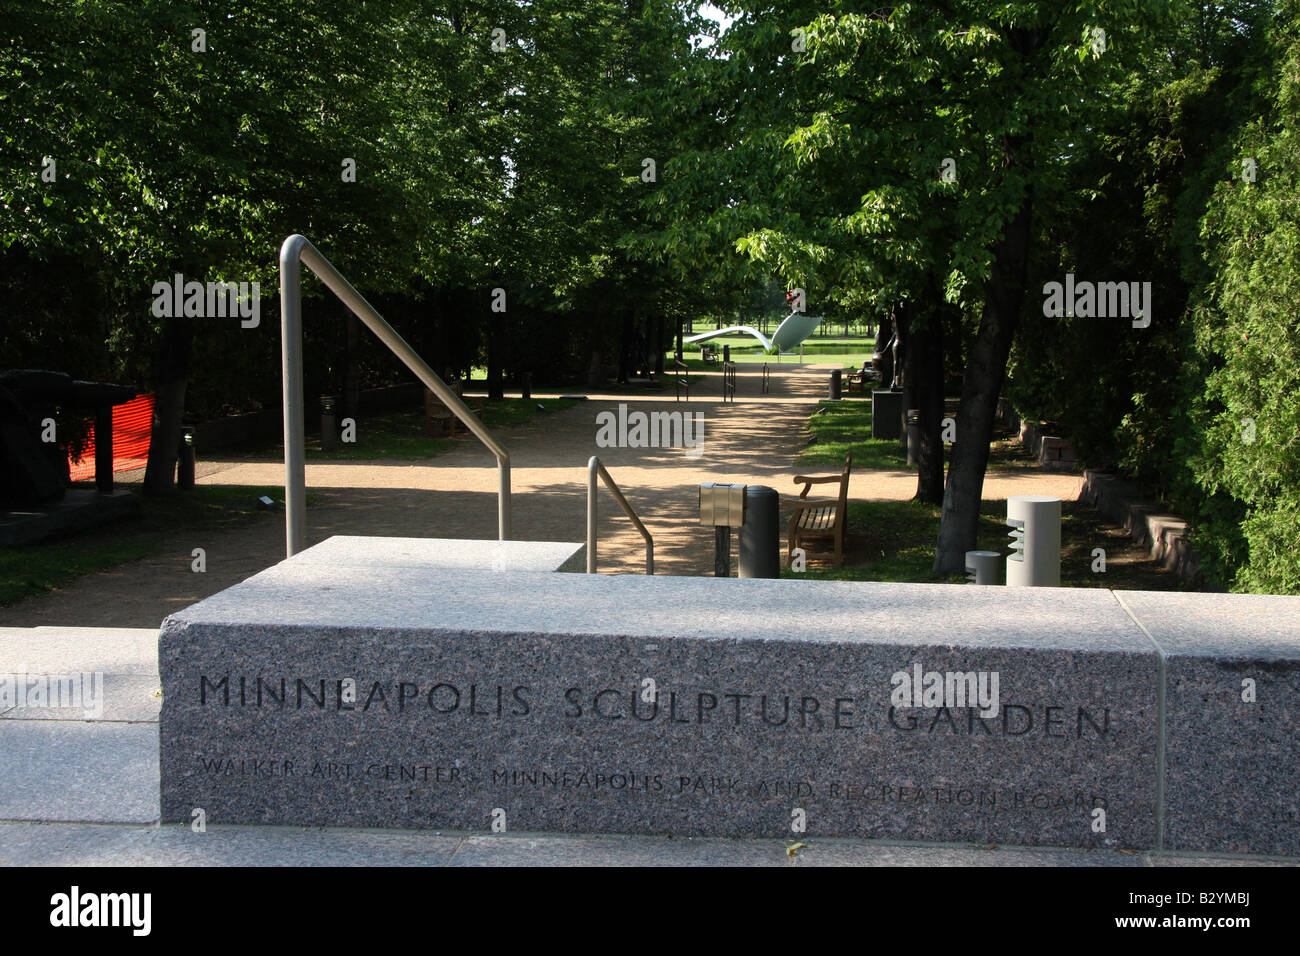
(753, 440)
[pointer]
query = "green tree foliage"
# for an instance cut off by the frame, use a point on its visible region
(500, 144)
(1248, 335)
(1166, 176)
(482, 160)
(845, 119)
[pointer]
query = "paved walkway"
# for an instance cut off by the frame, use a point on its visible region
(82, 790)
(753, 440)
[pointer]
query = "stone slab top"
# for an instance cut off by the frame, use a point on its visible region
(432, 599)
(60, 650)
(1196, 624)
(371, 551)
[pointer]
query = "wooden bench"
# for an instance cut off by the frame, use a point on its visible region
(440, 421)
(709, 354)
(820, 520)
(857, 380)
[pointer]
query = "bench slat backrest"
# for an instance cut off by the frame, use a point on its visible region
(844, 483)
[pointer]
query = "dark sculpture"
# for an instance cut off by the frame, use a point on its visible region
(34, 472)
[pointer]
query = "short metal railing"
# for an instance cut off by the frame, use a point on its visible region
(295, 251)
(682, 381)
(728, 381)
(767, 379)
(594, 468)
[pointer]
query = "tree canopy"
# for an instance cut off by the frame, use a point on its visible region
(618, 167)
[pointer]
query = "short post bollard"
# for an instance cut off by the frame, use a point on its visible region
(837, 376)
(185, 460)
(760, 535)
(982, 567)
(526, 384)
(329, 427)
(913, 436)
(722, 552)
(722, 507)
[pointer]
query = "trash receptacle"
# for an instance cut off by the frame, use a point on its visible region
(760, 535)
(329, 427)
(913, 436)
(886, 413)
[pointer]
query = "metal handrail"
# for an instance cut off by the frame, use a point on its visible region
(680, 366)
(767, 379)
(728, 381)
(594, 468)
(295, 251)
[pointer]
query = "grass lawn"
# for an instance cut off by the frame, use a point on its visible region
(895, 540)
(668, 382)
(38, 568)
(847, 359)
(850, 350)
(399, 436)
(845, 426)
(831, 332)
(478, 384)
(756, 357)
(813, 343)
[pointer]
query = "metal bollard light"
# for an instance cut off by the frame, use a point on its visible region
(982, 567)
(1035, 559)
(760, 535)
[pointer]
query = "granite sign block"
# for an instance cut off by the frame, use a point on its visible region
(517, 700)
(376, 552)
(1232, 718)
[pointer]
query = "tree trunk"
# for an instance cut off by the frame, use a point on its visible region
(351, 366)
(923, 385)
(495, 384)
(595, 367)
(899, 349)
(626, 337)
(169, 406)
(885, 349)
(985, 371)
(657, 334)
